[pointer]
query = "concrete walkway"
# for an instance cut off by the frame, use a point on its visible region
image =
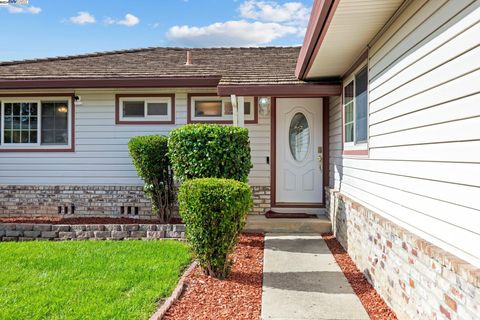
(301, 280)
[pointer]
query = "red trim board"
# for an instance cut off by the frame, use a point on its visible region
(320, 18)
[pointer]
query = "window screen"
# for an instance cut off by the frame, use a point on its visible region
(54, 122)
(361, 106)
(208, 108)
(133, 109)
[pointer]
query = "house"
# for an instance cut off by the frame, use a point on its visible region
(374, 120)
(66, 122)
(404, 146)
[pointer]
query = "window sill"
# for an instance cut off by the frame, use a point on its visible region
(145, 122)
(53, 149)
(221, 121)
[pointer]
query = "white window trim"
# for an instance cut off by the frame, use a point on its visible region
(354, 145)
(38, 145)
(248, 117)
(146, 101)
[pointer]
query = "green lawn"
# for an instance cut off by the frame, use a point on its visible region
(88, 279)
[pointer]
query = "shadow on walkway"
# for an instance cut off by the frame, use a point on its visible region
(297, 246)
(323, 281)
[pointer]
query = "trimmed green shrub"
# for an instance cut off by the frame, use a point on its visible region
(214, 211)
(210, 150)
(150, 158)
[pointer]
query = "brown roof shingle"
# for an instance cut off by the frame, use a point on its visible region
(242, 66)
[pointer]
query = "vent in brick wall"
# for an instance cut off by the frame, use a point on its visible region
(129, 210)
(66, 209)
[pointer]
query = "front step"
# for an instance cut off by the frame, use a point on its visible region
(259, 223)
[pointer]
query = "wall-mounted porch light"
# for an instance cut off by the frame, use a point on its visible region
(264, 106)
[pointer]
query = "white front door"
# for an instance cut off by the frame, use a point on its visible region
(298, 145)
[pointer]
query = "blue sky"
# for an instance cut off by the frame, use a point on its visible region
(45, 28)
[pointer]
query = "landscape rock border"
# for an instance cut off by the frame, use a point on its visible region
(177, 292)
(56, 232)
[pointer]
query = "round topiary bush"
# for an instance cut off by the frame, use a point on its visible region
(150, 158)
(209, 150)
(214, 211)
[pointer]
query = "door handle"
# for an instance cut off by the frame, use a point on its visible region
(320, 158)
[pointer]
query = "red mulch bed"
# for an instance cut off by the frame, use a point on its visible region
(375, 306)
(237, 297)
(85, 220)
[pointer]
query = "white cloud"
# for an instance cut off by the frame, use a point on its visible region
(129, 20)
(229, 33)
(294, 13)
(263, 21)
(83, 17)
(17, 9)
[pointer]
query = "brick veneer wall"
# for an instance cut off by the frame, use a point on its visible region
(417, 279)
(261, 200)
(88, 201)
(23, 231)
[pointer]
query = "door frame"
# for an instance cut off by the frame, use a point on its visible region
(273, 150)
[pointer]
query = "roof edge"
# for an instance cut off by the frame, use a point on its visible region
(320, 18)
(130, 50)
(172, 82)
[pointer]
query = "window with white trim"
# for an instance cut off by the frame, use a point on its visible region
(355, 110)
(145, 109)
(213, 108)
(35, 123)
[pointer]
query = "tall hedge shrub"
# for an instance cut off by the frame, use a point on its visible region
(210, 150)
(150, 158)
(214, 211)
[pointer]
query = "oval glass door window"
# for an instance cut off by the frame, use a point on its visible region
(299, 136)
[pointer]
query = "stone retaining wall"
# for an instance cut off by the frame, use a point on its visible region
(23, 231)
(91, 201)
(417, 279)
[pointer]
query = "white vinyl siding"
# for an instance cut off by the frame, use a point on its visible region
(101, 154)
(423, 167)
(260, 145)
